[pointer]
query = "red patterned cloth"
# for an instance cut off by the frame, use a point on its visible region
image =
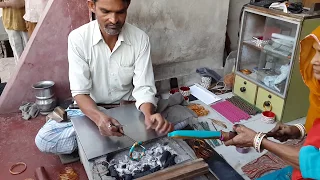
(266, 163)
(263, 165)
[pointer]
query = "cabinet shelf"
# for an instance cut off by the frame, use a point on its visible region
(260, 48)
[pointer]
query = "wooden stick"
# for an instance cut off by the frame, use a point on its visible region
(182, 171)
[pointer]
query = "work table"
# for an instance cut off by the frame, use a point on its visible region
(233, 157)
(91, 158)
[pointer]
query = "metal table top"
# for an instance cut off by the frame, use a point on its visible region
(95, 145)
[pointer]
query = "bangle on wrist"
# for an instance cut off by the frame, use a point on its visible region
(221, 136)
(255, 140)
(302, 130)
(258, 140)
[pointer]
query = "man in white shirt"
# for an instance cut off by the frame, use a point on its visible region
(109, 61)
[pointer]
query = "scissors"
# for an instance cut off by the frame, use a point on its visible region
(197, 143)
(200, 148)
(133, 147)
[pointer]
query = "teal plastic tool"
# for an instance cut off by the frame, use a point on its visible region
(192, 134)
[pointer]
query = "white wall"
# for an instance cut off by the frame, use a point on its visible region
(233, 21)
(184, 34)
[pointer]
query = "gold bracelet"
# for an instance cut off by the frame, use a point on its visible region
(18, 164)
(245, 71)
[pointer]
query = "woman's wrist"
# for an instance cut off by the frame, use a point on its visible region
(263, 142)
(302, 130)
(257, 141)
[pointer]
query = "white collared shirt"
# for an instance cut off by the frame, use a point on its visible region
(124, 74)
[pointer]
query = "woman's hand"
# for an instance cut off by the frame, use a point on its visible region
(284, 132)
(244, 137)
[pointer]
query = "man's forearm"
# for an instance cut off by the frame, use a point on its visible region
(89, 107)
(147, 109)
(289, 154)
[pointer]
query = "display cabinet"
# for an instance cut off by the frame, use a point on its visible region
(267, 67)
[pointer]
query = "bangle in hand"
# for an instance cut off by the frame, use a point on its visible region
(302, 130)
(143, 153)
(257, 141)
(221, 136)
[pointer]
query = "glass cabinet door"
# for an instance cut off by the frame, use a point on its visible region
(266, 51)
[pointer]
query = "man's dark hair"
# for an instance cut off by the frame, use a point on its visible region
(126, 1)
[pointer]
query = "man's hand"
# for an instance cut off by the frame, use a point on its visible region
(284, 132)
(107, 126)
(244, 137)
(158, 123)
(90, 109)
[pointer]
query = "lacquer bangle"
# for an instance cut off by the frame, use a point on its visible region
(262, 135)
(18, 164)
(132, 150)
(302, 130)
(257, 141)
(221, 136)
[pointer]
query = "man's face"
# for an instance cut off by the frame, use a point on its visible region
(316, 61)
(110, 14)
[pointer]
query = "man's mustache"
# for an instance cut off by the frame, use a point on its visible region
(113, 26)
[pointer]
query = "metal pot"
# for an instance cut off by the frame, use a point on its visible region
(46, 105)
(44, 89)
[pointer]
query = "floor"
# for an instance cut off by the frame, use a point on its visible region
(7, 67)
(17, 145)
(17, 141)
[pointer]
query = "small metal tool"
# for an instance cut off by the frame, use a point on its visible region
(214, 126)
(129, 137)
(120, 126)
(135, 144)
(216, 130)
(219, 123)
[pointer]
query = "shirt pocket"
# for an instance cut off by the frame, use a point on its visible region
(125, 74)
(127, 59)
